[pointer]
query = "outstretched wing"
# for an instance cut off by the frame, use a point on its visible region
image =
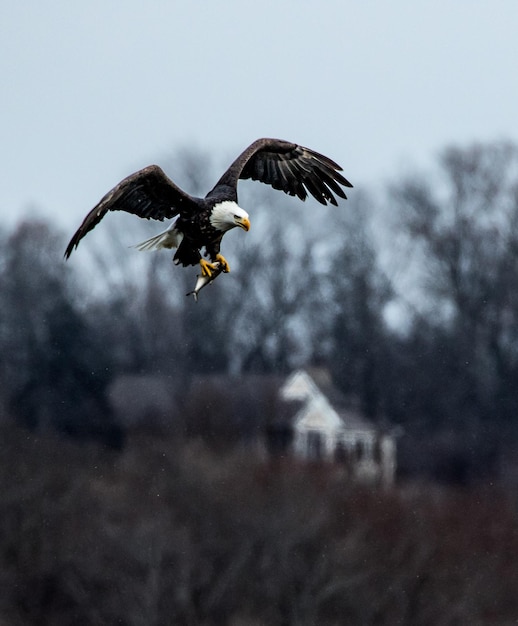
(148, 193)
(290, 168)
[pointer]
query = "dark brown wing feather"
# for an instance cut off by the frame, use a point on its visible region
(148, 193)
(290, 168)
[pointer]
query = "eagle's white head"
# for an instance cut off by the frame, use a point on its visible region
(226, 215)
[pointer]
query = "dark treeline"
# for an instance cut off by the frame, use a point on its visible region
(162, 534)
(411, 300)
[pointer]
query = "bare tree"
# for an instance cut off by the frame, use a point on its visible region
(360, 293)
(467, 237)
(55, 371)
(463, 250)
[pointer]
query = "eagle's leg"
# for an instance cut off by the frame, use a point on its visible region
(224, 263)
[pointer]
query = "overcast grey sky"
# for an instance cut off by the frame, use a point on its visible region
(91, 91)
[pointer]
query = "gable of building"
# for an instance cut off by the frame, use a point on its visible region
(318, 414)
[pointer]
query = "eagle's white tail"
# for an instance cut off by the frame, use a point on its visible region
(170, 238)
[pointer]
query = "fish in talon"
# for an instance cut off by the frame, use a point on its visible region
(204, 280)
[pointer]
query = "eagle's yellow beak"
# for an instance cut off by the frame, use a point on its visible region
(243, 222)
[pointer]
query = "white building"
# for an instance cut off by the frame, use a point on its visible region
(325, 429)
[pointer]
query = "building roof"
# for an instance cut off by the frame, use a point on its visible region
(319, 404)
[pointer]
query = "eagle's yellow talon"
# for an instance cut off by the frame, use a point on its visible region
(224, 263)
(207, 268)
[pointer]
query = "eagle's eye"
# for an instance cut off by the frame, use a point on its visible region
(236, 217)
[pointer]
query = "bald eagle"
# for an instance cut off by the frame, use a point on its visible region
(200, 223)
